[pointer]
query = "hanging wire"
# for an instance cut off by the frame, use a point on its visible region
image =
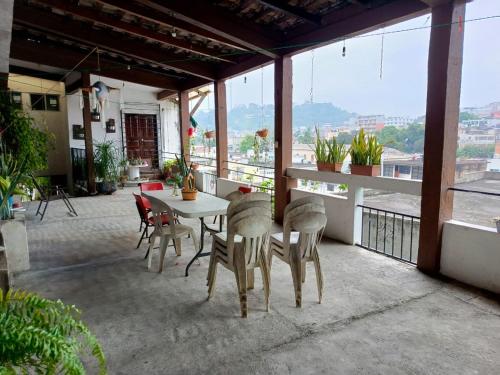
(382, 55)
(311, 92)
(262, 97)
(343, 49)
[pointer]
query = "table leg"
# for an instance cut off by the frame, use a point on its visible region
(199, 253)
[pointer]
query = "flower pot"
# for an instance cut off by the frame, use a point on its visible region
(189, 195)
(365, 170)
(322, 166)
(335, 167)
(106, 187)
(262, 133)
(210, 134)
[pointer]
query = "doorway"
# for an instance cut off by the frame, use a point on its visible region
(141, 134)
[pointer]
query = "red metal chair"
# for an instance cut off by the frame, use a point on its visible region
(245, 189)
(149, 186)
(142, 204)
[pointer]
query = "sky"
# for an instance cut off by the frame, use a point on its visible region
(355, 82)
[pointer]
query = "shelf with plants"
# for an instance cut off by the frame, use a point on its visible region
(366, 154)
(329, 153)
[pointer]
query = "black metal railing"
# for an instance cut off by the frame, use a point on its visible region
(390, 233)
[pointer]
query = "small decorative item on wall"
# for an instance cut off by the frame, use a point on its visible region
(95, 116)
(110, 126)
(78, 132)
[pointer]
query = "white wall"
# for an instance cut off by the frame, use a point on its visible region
(130, 98)
(471, 254)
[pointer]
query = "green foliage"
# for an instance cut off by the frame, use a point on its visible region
(106, 161)
(366, 150)
(246, 143)
(345, 138)
(305, 138)
(410, 139)
(337, 152)
(474, 151)
(22, 138)
(465, 116)
(320, 148)
(12, 174)
(185, 171)
(168, 164)
(266, 186)
(44, 336)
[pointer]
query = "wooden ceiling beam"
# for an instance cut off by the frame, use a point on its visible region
(363, 21)
(169, 21)
(103, 19)
(294, 11)
(217, 20)
(65, 58)
(51, 23)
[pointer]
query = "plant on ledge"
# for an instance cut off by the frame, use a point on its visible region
(321, 152)
(337, 152)
(366, 154)
(42, 336)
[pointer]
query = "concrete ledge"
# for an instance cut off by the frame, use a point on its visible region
(471, 254)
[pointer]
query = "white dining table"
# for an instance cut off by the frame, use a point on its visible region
(205, 205)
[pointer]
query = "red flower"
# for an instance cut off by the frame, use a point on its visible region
(190, 132)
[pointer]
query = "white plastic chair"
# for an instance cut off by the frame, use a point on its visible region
(243, 248)
(256, 196)
(303, 228)
(174, 231)
(215, 227)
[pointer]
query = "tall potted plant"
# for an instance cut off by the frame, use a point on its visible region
(366, 155)
(321, 152)
(41, 336)
(106, 164)
(337, 152)
(188, 191)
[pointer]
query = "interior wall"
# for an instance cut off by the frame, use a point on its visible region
(55, 122)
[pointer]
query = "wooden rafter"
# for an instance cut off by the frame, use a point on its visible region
(285, 7)
(220, 22)
(169, 21)
(54, 24)
(101, 18)
(49, 54)
(201, 97)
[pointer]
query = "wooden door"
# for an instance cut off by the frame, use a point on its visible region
(142, 138)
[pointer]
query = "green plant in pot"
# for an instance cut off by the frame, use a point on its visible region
(366, 154)
(106, 164)
(41, 336)
(337, 152)
(321, 152)
(169, 168)
(188, 191)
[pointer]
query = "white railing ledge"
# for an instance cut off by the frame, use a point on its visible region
(412, 187)
(466, 226)
(323, 194)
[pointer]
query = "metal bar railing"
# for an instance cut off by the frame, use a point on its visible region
(396, 238)
(475, 191)
(248, 164)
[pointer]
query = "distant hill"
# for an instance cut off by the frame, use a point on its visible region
(251, 117)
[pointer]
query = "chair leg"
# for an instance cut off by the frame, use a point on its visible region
(177, 246)
(296, 268)
(163, 249)
(250, 278)
(269, 264)
(240, 273)
(212, 274)
(211, 262)
(144, 234)
(149, 253)
(319, 274)
(140, 227)
(195, 241)
(265, 278)
(303, 272)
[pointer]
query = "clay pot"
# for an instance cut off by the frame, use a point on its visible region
(210, 134)
(322, 166)
(262, 133)
(189, 195)
(335, 167)
(365, 170)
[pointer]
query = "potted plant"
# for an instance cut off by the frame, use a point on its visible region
(169, 168)
(366, 155)
(337, 152)
(188, 191)
(321, 152)
(43, 336)
(106, 164)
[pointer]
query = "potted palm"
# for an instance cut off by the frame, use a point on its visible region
(106, 164)
(366, 155)
(188, 191)
(321, 152)
(44, 337)
(337, 152)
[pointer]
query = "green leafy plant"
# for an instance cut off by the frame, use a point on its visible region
(12, 174)
(22, 138)
(185, 171)
(43, 336)
(365, 150)
(106, 161)
(337, 152)
(320, 148)
(168, 164)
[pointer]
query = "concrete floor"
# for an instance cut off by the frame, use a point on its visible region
(378, 316)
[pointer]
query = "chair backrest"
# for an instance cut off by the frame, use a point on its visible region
(240, 205)
(257, 196)
(158, 207)
(234, 195)
(304, 200)
(253, 223)
(142, 204)
(150, 186)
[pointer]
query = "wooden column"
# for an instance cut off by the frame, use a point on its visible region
(283, 134)
(221, 128)
(441, 129)
(184, 123)
(87, 129)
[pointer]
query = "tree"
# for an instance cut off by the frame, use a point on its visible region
(306, 137)
(465, 116)
(476, 151)
(246, 143)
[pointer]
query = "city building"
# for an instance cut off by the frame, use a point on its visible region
(371, 123)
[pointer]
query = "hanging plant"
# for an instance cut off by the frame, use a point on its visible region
(262, 133)
(209, 134)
